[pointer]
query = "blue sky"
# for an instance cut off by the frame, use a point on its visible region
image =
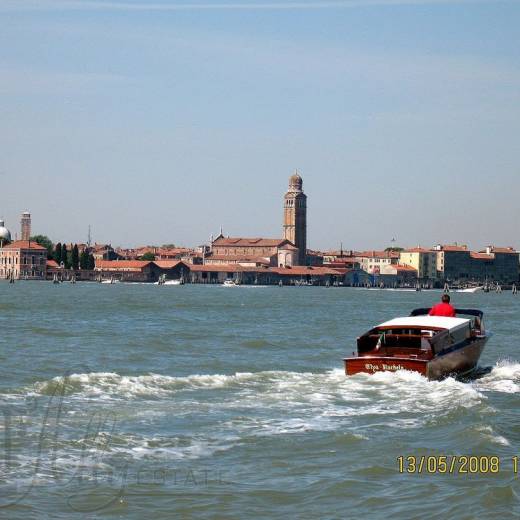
(160, 121)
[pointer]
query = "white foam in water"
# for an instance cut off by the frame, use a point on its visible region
(109, 384)
(269, 403)
(397, 391)
(489, 435)
(504, 377)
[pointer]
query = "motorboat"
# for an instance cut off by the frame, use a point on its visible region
(229, 283)
(172, 282)
(434, 346)
(470, 290)
(111, 281)
(163, 281)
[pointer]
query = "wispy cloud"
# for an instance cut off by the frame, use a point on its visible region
(200, 6)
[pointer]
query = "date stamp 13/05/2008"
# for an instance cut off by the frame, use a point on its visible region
(457, 464)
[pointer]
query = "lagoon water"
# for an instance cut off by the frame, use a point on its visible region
(139, 401)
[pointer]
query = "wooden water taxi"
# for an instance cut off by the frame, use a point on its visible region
(434, 346)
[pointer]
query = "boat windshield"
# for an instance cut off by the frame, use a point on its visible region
(396, 338)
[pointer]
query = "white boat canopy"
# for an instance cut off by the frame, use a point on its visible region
(437, 322)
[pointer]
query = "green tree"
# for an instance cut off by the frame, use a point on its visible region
(44, 241)
(57, 253)
(74, 260)
(83, 260)
(396, 249)
(65, 256)
(91, 262)
(150, 257)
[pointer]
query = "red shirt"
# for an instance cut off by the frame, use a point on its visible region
(443, 309)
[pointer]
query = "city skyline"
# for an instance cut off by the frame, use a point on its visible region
(160, 124)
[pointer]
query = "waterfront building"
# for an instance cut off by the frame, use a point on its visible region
(214, 274)
(452, 261)
(341, 259)
(423, 260)
(357, 277)
(398, 275)
(25, 225)
(236, 250)
(339, 256)
(346, 263)
(23, 259)
(250, 261)
(457, 264)
(373, 261)
(295, 217)
(5, 234)
(291, 250)
(127, 270)
(160, 253)
(314, 258)
(104, 252)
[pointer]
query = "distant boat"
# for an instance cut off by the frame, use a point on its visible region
(470, 290)
(111, 280)
(163, 281)
(229, 283)
(172, 282)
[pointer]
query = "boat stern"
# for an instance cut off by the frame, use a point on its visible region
(372, 365)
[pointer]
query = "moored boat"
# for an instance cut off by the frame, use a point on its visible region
(434, 346)
(229, 283)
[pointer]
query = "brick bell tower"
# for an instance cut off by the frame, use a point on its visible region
(295, 216)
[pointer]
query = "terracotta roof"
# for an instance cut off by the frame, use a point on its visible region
(509, 250)
(377, 254)
(250, 242)
(168, 264)
(52, 264)
(221, 268)
(24, 244)
(290, 247)
(482, 256)
(237, 258)
(453, 248)
(418, 250)
(404, 267)
(121, 264)
(303, 271)
(101, 247)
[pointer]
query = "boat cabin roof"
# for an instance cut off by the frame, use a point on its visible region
(427, 322)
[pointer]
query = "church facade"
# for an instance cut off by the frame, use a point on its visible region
(275, 252)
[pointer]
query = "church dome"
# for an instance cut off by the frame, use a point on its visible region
(5, 235)
(295, 181)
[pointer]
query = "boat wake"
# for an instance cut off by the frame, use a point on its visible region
(503, 377)
(200, 416)
(286, 386)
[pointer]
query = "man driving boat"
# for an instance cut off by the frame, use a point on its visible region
(444, 308)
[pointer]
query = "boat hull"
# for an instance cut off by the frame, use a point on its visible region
(458, 360)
